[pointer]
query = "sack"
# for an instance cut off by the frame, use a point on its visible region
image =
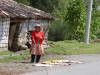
(37, 49)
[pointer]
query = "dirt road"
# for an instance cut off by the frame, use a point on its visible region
(23, 67)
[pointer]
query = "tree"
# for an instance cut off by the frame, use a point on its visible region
(45, 5)
(95, 25)
(23, 1)
(58, 28)
(76, 19)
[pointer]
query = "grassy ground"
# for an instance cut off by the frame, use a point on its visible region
(8, 56)
(73, 47)
(60, 47)
(5, 53)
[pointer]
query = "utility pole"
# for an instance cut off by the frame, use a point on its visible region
(88, 22)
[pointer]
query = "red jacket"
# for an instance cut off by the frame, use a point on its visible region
(36, 35)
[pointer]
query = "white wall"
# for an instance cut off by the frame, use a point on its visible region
(4, 32)
(23, 35)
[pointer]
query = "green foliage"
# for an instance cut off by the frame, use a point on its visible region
(97, 1)
(45, 5)
(70, 21)
(95, 25)
(98, 34)
(23, 1)
(76, 19)
(58, 29)
(70, 18)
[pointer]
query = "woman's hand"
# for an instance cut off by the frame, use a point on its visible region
(40, 38)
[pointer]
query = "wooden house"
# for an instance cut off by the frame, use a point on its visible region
(16, 20)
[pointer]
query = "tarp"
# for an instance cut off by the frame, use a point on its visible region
(56, 62)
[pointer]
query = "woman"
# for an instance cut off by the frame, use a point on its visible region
(37, 37)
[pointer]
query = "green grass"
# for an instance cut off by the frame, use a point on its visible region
(60, 47)
(9, 58)
(73, 47)
(5, 53)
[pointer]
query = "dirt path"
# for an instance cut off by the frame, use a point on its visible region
(20, 67)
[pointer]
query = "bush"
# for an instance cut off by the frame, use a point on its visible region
(70, 21)
(57, 31)
(76, 19)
